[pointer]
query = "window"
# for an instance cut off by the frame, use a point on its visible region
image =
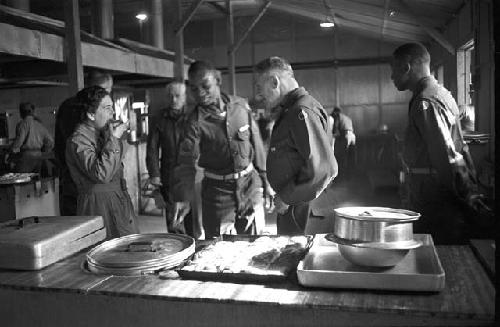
(465, 87)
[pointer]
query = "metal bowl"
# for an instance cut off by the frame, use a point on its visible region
(373, 254)
(374, 224)
(372, 257)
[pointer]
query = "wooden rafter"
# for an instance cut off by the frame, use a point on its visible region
(360, 25)
(192, 10)
(255, 20)
(437, 36)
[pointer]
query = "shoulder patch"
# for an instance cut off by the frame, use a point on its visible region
(425, 105)
(302, 115)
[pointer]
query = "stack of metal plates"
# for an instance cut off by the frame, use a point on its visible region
(140, 254)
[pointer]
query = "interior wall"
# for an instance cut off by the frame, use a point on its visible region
(45, 99)
(365, 93)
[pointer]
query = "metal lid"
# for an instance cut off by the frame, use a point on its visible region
(139, 253)
(377, 214)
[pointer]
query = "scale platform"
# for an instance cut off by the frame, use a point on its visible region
(325, 267)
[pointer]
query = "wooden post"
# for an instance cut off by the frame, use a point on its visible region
(156, 23)
(103, 19)
(179, 44)
(230, 53)
(73, 45)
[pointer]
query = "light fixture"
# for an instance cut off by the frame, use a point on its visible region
(327, 23)
(141, 16)
(392, 13)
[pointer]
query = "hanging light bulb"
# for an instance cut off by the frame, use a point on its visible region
(327, 23)
(141, 16)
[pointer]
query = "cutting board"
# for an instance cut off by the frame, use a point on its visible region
(33, 243)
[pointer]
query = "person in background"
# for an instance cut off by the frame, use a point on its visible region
(66, 120)
(94, 154)
(440, 173)
(225, 140)
(300, 162)
(33, 144)
(162, 150)
(344, 141)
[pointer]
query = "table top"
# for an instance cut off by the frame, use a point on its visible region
(469, 294)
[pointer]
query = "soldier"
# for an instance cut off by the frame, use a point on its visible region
(441, 175)
(300, 162)
(165, 137)
(223, 137)
(345, 139)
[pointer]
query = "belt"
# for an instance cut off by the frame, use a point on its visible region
(422, 171)
(237, 175)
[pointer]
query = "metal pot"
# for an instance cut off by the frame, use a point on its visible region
(374, 236)
(374, 224)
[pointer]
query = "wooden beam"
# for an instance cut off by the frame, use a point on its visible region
(179, 43)
(155, 23)
(370, 29)
(230, 54)
(45, 24)
(335, 63)
(73, 46)
(21, 41)
(437, 36)
(218, 7)
(256, 19)
(102, 19)
(192, 10)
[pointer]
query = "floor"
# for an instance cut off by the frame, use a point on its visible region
(358, 189)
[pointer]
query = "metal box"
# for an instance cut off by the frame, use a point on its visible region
(34, 198)
(36, 242)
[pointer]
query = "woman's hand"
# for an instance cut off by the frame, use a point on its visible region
(117, 129)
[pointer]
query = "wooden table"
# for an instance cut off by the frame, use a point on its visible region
(65, 295)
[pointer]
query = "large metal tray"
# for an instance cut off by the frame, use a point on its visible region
(324, 266)
(266, 276)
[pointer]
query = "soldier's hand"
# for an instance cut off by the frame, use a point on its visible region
(155, 181)
(350, 138)
(181, 209)
(476, 202)
(269, 199)
(117, 129)
(280, 206)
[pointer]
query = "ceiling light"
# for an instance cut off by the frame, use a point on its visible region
(141, 17)
(327, 23)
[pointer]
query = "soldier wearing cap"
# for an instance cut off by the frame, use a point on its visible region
(300, 162)
(222, 136)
